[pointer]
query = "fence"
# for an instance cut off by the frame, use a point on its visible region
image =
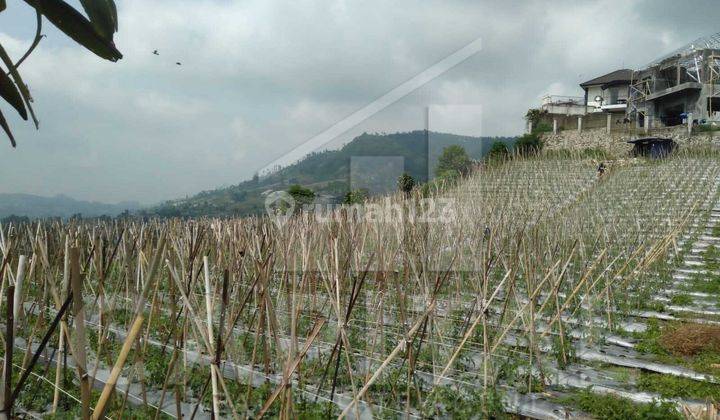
(615, 123)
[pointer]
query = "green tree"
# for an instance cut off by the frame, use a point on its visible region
(95, 34)
(453, 162)
(356, 196)
(301, 195)
(528, 144)
(498, 152)
(406, 183)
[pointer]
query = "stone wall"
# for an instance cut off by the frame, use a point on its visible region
(616, 143)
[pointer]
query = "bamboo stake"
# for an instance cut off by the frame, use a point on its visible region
(79, 322)
(211, 338)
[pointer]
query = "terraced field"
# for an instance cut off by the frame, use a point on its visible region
(535, 289)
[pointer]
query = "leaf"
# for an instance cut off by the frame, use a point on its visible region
(103, 16)
(10, 93)
(6, 128)
(77, 27)
(2, 5)
(24, 91)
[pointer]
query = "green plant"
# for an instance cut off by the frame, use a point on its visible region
(681, 300)
(406, 183)
(528, 144)
(542, 127)
(614, 408)
(95, 34)
(533, 115)
(498, 152)
(669, 386)
(302, 196)
(454, 161)
(356, 196)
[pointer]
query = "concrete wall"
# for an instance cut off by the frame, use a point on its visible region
(616, 142)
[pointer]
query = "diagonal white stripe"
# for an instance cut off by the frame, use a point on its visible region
(376, 106)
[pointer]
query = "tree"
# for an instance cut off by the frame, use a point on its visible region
(406, 183)
(528, 144)
(453, 162)
(498, 152)
(356, 196)
(302, 196)
(95, 34)
(533, 116)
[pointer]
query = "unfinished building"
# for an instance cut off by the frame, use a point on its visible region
(678, 86)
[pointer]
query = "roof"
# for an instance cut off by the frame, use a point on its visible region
(623, 75)
(649, 140)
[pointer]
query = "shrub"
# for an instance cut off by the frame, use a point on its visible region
(301, 195)
(542, 127)
(498, 151)
(528, 144)
(356, 196)
(406, 183)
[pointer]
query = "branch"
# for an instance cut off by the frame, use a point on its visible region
(36, 41)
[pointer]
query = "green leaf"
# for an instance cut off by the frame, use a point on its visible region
(103, 16)
(2, 5)
(10, 93)
(77, 27)
(6, 128)
(24, 91)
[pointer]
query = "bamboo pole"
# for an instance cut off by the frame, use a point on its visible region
(211, 337)
(79, 323)
(132, 335)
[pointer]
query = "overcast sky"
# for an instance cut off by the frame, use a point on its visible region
(260, 77)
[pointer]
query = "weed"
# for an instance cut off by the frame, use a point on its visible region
(614, 408)
(669, 386)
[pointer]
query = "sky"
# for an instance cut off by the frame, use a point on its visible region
(261, 77)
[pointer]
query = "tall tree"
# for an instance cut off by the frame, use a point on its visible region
(454, 161)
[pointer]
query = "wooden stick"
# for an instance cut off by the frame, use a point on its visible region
(79, 322)
(211, 338)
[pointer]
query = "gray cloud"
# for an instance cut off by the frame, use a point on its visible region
(259, 77)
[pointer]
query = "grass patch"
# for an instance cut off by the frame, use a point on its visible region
(669, 386)
(615, 408)
(681, 300)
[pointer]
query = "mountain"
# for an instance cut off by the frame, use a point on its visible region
(35, 206)
(328, 173)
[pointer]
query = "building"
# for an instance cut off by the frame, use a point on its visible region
(678, 85)
(666, 92)
(563, 105)
(608, 93)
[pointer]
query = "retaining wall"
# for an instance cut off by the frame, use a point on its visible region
(616, 142)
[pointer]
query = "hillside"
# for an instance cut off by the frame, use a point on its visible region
(327, 172)
(35, 206)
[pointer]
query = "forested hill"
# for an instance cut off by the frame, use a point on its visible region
(327, 173)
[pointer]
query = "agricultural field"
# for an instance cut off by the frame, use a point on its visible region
(536, 289)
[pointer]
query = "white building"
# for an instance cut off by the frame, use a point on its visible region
(608, 93)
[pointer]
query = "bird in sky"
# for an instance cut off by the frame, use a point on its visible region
(156, 52)
(179, 63)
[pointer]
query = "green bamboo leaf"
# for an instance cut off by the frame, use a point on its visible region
(103, 16)
(6, 128)
(77, 27)
(10, 93)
